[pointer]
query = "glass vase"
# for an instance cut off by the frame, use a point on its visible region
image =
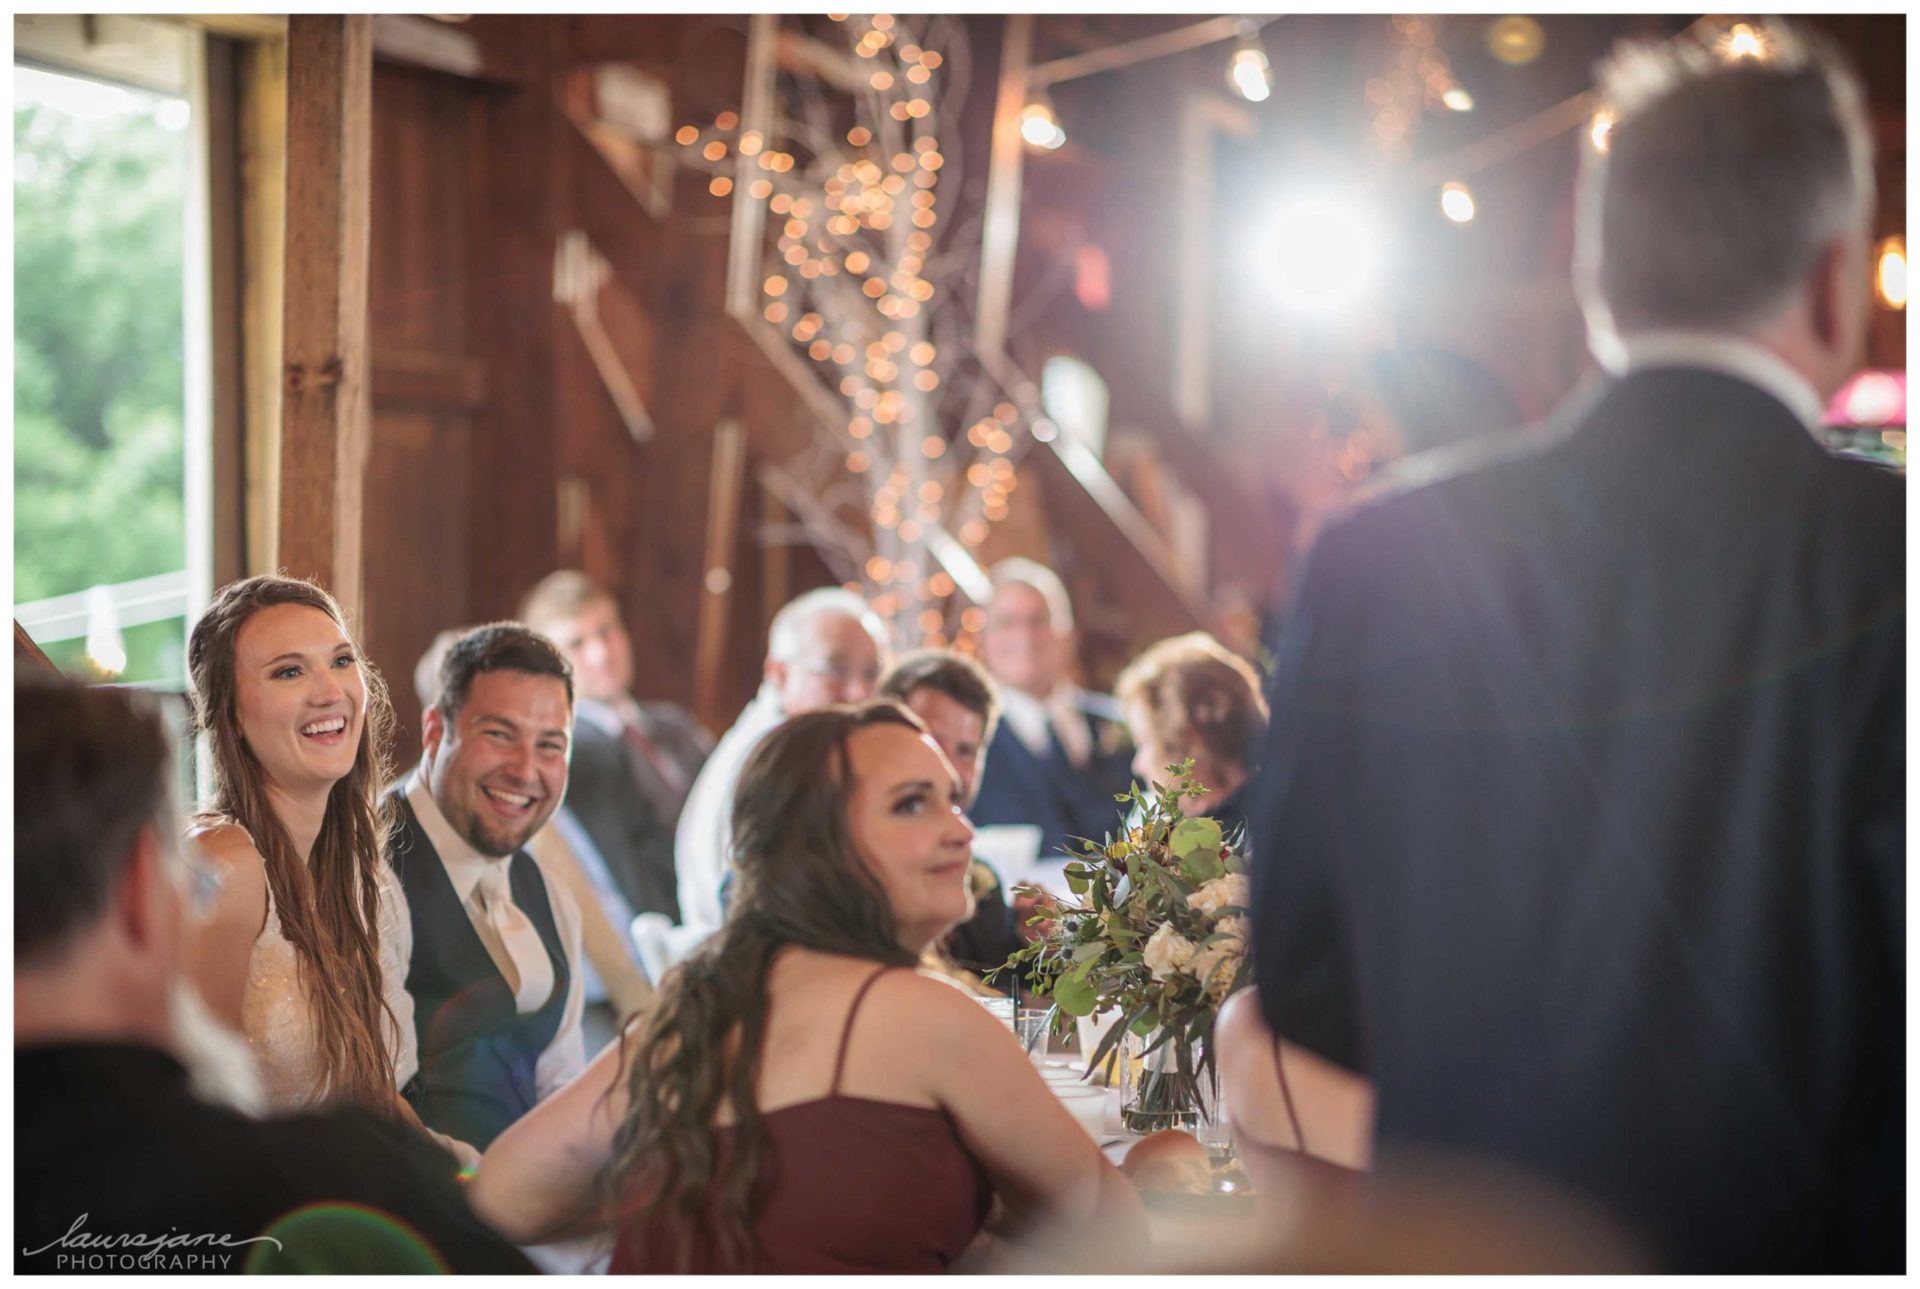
(1170, 1086)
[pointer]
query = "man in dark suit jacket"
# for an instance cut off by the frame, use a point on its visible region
(633, 762)
(121, 1162)
(494, 972)
(1582, 823)
(1060, 754)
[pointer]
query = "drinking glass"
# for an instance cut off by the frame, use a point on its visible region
(1030, 1027)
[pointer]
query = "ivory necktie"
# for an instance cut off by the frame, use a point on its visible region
(528, 970)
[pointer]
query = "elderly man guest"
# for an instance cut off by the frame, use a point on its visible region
(1060, 753)
(1581, 824)
(824, 647)
(495, 972)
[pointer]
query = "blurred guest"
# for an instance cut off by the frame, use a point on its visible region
(306, 950)
(802, 1100)
(633, 762)
(1581, 830)
(496, 943)
(955, 700)
(119, 1165)
(1059, 755)
(824, 647)
(1187, 698)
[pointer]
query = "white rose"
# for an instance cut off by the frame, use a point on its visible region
(1216, 964)
(1221, 892)
(1167, 951)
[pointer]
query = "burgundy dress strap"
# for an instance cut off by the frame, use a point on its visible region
(1280, 1068)
(840, 1061)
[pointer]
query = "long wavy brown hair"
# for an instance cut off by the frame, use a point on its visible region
(328, 904)
(798, 880)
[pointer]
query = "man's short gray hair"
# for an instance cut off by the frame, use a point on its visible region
(1722, 180)
(1018, 571)
(793, 619)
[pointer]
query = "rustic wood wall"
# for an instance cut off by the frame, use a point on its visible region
(498, 454)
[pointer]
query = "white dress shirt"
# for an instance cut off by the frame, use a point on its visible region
(703, 841)
(1730, 355)
(566, 1055)
(1032, 720)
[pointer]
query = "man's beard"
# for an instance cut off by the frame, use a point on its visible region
(220, 1067)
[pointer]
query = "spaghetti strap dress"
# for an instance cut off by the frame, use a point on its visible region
(853, 1185)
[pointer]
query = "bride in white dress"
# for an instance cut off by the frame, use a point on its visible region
(306, 950)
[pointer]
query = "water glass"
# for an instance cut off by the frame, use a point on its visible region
(1030, 1027)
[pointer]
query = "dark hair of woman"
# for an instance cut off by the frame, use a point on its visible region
(799, 881)
(328, 906)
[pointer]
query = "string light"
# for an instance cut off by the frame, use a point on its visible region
(1456, 203)
(1457, 100)
(1890, 272)
(1248, 70)
(1040, 124)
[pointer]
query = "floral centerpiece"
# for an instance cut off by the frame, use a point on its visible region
(1157, 931)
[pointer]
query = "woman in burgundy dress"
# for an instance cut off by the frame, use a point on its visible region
(800, 1099)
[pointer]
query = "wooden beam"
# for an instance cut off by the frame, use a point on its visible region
(262, 87)
(723, 530)
(404, 378)
(325, 409)
(1000, 239)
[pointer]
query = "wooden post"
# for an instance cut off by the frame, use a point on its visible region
(723, 528)
(325, 391)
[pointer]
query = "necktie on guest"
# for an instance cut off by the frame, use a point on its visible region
(528, 970)
(659, 777)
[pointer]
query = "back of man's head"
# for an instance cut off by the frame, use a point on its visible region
(1724, 178)
(91, 769)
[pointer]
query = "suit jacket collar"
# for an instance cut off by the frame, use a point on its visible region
(1744, 361)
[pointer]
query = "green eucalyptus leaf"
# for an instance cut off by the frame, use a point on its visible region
(1074, 996)
(1191, 835)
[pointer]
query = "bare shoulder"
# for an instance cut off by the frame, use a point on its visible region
(1240, 1020)
(231, 846)
(243, 873)
(926, 1007)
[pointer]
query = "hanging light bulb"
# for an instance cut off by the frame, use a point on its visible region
(1040, 124)
(1456, 203)
(1248, 69)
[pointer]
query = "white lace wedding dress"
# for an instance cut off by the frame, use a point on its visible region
(277, 1011)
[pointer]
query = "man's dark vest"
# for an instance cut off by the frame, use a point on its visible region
(477, 1053)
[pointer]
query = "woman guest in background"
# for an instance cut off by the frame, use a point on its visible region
(1188, 697)
(801, 1099)
(306, 951)
(1292, 1111)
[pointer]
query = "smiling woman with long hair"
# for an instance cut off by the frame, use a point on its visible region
(800, 1099)
(305, 952)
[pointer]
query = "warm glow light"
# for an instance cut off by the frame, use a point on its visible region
(1890, 273)
(1742, 41)
(1457, 100)
(1322, 252)
(1251, 74)
(1456, 203)
(721, 186)
(1040, 127)
(1602, 131)
(1515, 39)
